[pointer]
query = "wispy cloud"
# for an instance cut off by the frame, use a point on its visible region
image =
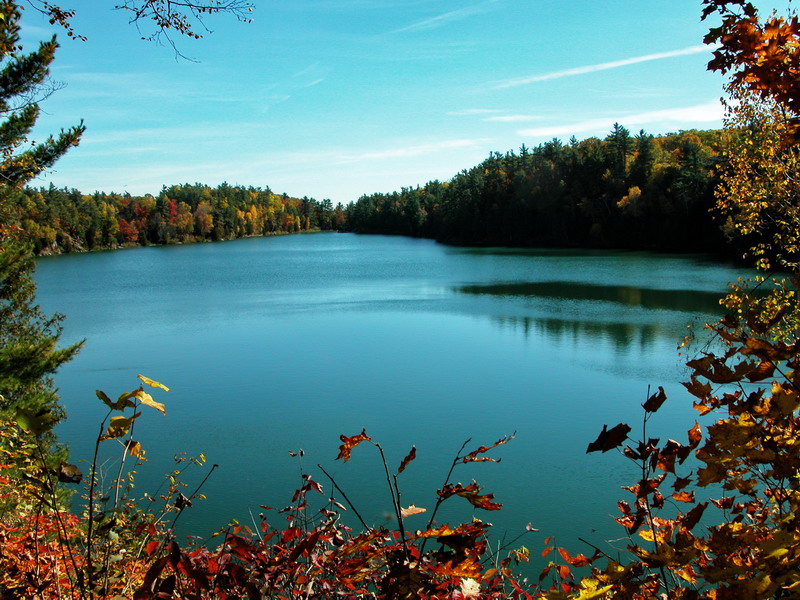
(700, 113)
(453, 15)
(472, 111)
(310, 76)
(513, 118)
(415, 150)
(508, 83)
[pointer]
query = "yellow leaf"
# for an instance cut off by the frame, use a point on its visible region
(590, 590)
(119, 426)
(151, 383)
(147, 400)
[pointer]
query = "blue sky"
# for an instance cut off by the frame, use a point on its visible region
(338, 98)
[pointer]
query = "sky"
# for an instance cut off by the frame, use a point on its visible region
(340, 98)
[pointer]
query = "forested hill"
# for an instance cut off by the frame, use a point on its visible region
(62, 220)
(624, 191)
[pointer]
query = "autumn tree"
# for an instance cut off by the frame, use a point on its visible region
(732, 529)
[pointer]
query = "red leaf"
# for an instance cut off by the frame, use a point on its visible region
(151, 547)
(579, 560)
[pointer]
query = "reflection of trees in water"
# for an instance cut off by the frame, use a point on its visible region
(691, 301)
(623, 334)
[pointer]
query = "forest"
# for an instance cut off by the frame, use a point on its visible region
(624, 191)
(633, 192)
(62, 220)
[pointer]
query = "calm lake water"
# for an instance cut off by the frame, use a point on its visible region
(275, 344)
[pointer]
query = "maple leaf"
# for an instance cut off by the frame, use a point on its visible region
(691, 518)
(609, 438)
(655, 401)
(684, 496)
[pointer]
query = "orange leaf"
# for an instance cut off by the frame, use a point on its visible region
(473, 456)
(683, 496)
(409, 457)
(470, 492)
(579, 560)
(351, 442)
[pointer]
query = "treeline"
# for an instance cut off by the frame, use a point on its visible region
(624, 191)
(62, 220)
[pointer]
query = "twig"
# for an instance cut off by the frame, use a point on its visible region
(344, 497)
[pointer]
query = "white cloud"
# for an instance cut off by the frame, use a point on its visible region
(472, 111)
(507, 83)
(513, 118)
(700, 113)
(453, 15)
(408, 151)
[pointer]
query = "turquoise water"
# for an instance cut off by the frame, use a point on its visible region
(275, 344)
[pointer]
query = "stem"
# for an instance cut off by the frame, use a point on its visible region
(62, 527)
(194, 494)
(394, 493)
(344, 497)
(92, 480)
(439, 500)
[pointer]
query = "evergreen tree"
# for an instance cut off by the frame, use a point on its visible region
(28, 338)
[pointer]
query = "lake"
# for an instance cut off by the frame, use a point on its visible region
(270, 345)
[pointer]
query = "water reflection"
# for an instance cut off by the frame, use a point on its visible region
(622, 336)
(690, 301)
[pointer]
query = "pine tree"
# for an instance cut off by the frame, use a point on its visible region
(29, 351)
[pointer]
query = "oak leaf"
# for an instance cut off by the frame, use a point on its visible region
(412, 510)
(348, 443)
(409, 457)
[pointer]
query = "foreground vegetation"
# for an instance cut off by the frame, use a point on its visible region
(740, 542)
